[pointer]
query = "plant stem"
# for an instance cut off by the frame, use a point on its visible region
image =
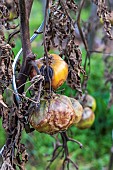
(25, 9)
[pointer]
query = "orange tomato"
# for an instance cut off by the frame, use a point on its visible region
(58, 70)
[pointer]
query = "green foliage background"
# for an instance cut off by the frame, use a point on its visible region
(96, 140)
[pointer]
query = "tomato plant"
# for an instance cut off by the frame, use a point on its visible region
(38, 100)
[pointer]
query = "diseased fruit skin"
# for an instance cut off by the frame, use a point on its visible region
(77, 108)
(54, 115)
(87, 119)
(89, 101)
(59, 67)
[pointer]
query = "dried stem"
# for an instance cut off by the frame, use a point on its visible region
(84, 83)
(29, 4)
(45, 21)
(15, 127)
(45, 46)
(13, 34)
(24, 29)
(81, 32)
(26, 45)
(67, 160)
(64, 150)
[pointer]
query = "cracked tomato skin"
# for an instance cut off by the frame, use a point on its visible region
(59, 69)
(54, 115)
(87, 119)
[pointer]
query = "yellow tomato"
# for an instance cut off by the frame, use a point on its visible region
(87, 119)
(89, 101)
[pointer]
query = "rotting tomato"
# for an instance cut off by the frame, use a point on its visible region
(77, 108)
(58, 70)
(87, 119)
(54, 115)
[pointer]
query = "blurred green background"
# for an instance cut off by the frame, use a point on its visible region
(97, 140)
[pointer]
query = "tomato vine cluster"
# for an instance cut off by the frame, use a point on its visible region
(58, 112)
(55, 112)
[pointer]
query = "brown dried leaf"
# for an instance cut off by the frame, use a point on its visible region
(104, 14)
(5, 63)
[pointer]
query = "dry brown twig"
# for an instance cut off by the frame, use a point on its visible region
(63, 151)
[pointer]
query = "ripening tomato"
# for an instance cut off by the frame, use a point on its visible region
(54, 115)
(87, 119)
(58, 70)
